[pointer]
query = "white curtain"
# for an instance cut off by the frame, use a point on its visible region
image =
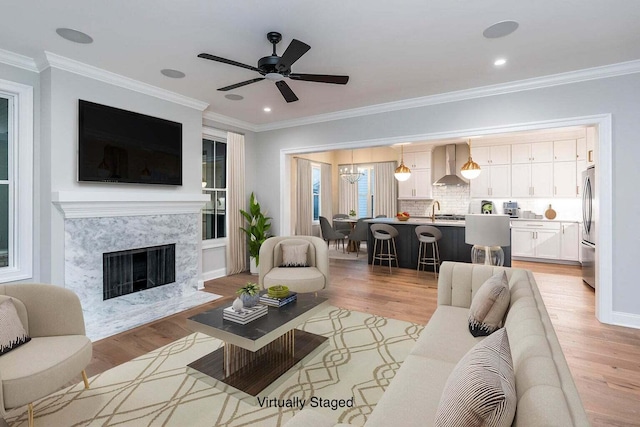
(385, 197)
(348, 199)
(236, 200)
(326, 193)
(305, 199)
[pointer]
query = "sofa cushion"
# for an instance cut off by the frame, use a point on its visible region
(481, 389)
(297, 279)
(12, 332)
(411, 400)
(445, 337)
(295, 255)
(489, 305)
(24, 369)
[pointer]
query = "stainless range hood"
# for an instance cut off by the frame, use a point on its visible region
(450, 177)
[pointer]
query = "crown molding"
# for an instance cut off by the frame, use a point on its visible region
(80, 204)
(594, 73)
(219, 118)
(60, 62)
(17, 60)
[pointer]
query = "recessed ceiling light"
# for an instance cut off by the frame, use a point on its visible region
(500, 29)
(266, 109)
(74, 35)
(499, 62)
(234, 97)
(174, 74)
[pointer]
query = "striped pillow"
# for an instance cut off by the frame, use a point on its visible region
(480, 391)
(489, 305)
(12, 333)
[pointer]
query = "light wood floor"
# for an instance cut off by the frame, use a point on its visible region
(604, 360)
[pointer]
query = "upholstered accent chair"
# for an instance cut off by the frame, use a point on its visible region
(57, 352)
(329, 234)
(274, 271)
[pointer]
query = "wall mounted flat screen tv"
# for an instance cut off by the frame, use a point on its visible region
(116, 145)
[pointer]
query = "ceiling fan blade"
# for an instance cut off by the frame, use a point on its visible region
(286, 91)
(294, 51)
(237, 85)
(321, 78)
(227, 61)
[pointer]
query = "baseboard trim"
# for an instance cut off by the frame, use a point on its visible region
(210, 275)
(628, 320)
(545, 260)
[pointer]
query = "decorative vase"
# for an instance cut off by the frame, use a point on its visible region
(253, 266)
(249, 300)
(237, 305)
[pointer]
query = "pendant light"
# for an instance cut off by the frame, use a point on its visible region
(351, 175)
(402, 172)
(471, 169)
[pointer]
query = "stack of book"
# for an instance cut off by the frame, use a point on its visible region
(278, 302)
(246, 315)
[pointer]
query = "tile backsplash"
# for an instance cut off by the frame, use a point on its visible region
(457, 200)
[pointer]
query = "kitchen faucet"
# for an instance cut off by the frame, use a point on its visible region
(433, 210)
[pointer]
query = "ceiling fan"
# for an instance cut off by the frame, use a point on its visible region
(277, 68)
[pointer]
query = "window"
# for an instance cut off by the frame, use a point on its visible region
(16, 181)
(316, 174)
(365, 192)
(214, 184)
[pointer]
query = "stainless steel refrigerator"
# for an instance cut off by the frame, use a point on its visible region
(589, 220)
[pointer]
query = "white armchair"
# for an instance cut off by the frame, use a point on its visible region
(273, 271)
(58, 351)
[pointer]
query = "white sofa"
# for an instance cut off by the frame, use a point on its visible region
(546, 393)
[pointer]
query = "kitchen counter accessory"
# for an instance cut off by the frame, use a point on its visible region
(550, 213)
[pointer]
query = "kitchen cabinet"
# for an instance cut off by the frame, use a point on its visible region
(581, 149)
(564, 179)
(564, 151)
(532, 180)
(591, 143)
(537, 152)
(570, 241)
(493, 181)
(417, 160)
(418, 186)
(581, 165)
(535, 239)
(492, 155)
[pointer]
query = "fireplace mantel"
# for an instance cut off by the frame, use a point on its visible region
(89, 204)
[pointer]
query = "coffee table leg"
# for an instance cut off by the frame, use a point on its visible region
(236, 358)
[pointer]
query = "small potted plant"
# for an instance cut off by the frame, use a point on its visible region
(352, 213)
(249, 294)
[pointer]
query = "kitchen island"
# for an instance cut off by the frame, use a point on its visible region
(451, 246)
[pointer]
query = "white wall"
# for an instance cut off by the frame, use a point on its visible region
(617, 96)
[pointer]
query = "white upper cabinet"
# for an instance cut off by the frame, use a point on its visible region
(417, 187)
(537, 152)
(591, 142)
(581, 149)
(492, 155)
(564, 179)
(493, 181)
(564, 151)
(418, 160)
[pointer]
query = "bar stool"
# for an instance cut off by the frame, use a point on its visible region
(428, 235)
(384, 233)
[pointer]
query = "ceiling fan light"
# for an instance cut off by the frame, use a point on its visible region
(471, 169)
(274, 77)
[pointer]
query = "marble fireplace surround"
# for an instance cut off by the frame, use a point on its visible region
(95, 223)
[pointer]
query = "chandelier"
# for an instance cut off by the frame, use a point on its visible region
(351, 174)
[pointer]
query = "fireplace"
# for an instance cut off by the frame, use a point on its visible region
(134, 270)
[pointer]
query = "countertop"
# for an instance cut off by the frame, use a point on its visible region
(417, 221)
(546, 220)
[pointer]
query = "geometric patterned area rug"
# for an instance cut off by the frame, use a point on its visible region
(363, 356)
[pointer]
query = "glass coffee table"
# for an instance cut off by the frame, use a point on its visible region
(256, 356)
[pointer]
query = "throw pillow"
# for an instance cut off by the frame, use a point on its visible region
(294, 255)
(12, 333)
(480, 391)
(489, 305)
